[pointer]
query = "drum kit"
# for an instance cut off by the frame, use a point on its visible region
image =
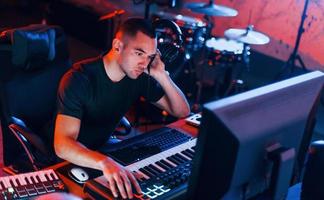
(215, 52)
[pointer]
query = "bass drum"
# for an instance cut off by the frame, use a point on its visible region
(217, 66)
(224, 52)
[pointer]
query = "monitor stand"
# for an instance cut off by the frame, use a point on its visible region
(282, 160)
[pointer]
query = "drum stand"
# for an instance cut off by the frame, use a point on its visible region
(199, 84)
(237, 85)
(290, 65)
(233, 83)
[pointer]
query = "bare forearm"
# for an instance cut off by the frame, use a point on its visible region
(176, 101)
(76, 153)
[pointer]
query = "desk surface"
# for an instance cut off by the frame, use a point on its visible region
(75, 189)
(293, 193)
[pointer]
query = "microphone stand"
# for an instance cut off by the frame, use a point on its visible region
(290, 65)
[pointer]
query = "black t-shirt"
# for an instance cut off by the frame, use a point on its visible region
(87, 93)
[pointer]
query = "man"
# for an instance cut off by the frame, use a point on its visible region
(96, 93)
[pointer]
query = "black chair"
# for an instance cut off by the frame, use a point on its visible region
(33, 60)
(313, 180)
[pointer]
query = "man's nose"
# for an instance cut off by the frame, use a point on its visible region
(145, 62)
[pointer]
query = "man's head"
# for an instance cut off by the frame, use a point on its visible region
(133, 25)
(135, 44)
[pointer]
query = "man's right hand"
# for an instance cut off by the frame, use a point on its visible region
(68, 148)
(119, 179)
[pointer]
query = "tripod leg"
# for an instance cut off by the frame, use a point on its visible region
(290, 64)
(230, 88)
(301, 62)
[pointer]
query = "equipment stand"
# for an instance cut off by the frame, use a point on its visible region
(290, 64)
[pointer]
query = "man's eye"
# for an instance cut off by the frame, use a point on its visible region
(139, 53)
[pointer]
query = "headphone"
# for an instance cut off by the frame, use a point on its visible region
(169, 39)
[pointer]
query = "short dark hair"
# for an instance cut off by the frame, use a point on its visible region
(133, 25)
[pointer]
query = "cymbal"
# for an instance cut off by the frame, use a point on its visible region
(181, 20)
(211, 9)
(247, 36)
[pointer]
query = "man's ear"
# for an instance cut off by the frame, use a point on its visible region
(117, 45)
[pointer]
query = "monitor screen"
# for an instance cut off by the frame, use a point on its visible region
(237, 133)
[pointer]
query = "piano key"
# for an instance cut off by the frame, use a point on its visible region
(54, 176)
(177, 157)
(42, 177)
(144, 171)
(158, 168)
(165, 167)
(185, 157)
(191, 150)
(13, 182)
(6, 182)
(38, 178)
(140, 175)
(145, 163)
(2, 185)
(187, 154)
(144, 175)
(30, 177)
(179, 161)
(27, 184)
(17, 181)
(171, 165)
(170, 158)
(161, 156)
(27, 180)
(22, 180)
(151, 170)
(170, 162)
(48, 177)
(33, 179)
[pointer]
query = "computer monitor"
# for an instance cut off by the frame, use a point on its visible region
(248, 143)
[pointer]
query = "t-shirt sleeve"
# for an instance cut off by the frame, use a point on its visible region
(150, 89)
(72, 94)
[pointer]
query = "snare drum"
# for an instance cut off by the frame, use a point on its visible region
(193, 29)
(224, 51)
